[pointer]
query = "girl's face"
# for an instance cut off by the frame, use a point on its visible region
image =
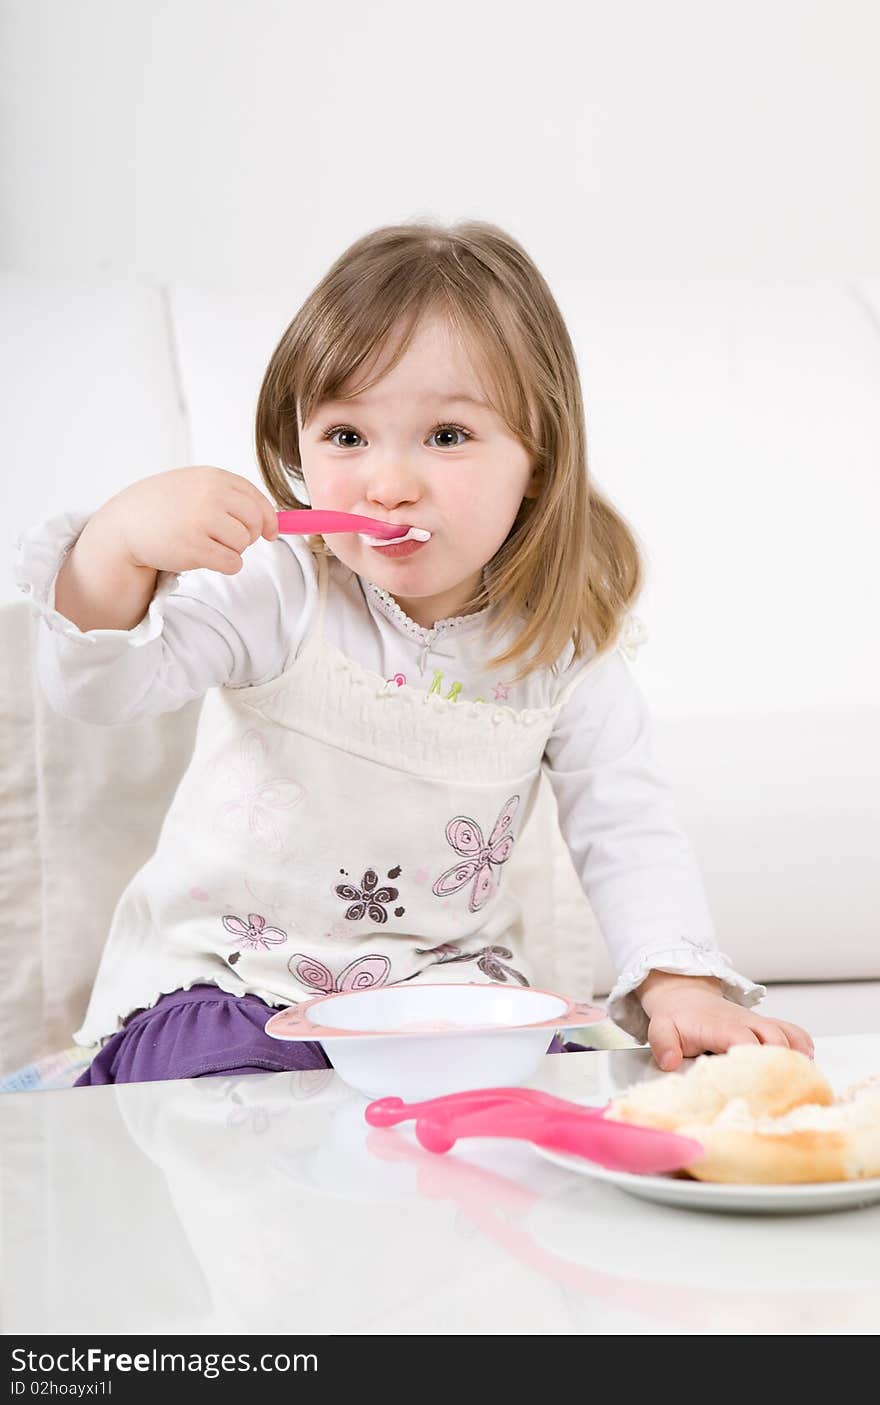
(412, 450)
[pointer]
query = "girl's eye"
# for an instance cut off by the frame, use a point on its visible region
(330, 434)
(453, 429)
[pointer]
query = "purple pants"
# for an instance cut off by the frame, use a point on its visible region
(204, 1031)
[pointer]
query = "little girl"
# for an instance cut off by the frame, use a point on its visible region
(376, 718)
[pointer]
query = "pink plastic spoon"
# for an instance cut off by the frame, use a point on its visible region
(387, 1112)
(312, 519)
(532, 1115)
(618, 1146)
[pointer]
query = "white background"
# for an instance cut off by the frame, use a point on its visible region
(233, 144)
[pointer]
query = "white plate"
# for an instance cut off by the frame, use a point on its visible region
(843, 1059)
(744, 1199)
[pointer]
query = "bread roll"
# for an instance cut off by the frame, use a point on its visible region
(810, 1143)
(770, 1079)
(764, 1115)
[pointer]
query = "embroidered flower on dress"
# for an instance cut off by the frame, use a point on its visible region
(444, 952)
(367, 971)
(367, 899)
(491, 966)
(254, 934)
(488, 960)
(466, 838)
(257, 797)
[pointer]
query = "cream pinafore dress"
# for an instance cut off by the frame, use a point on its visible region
(336, 831)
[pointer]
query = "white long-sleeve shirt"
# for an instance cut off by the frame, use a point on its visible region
(205, 631)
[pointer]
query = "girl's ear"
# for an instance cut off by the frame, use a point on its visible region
(535, 484)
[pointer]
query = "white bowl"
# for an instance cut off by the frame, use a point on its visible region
(422, 1041)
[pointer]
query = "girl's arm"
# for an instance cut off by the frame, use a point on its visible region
(99, 586)
(638, 869)
(198, 629)
(175, 521)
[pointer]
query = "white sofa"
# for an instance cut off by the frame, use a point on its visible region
(737, 426)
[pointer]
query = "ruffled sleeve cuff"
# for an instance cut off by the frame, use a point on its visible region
(41, 552)
(690, 958)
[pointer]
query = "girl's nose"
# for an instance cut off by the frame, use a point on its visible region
(391, 486)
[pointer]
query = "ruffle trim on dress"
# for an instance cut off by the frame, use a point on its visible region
(216, 978)
(413, 697)
(389, 607)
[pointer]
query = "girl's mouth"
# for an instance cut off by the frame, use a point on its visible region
(406, 548)
(409, 542)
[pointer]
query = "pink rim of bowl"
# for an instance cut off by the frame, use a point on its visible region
(296, 1022)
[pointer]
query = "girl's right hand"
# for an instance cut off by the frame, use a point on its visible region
(186, 518)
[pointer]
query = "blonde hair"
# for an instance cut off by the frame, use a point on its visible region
(569, 568)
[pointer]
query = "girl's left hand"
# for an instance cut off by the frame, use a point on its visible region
(688, 1016)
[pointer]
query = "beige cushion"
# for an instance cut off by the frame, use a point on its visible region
(82, 807)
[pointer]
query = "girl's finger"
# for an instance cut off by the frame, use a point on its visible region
(797, 1038)
(244, 509)
(256, 511)
(264, 506)
(231, 532)
(270, 520)
(717, 1038)
(665, 1043)
(771, 1032)
(218, 557)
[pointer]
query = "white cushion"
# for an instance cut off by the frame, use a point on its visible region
(91, 398)
(737, 427)
(782, 807)
(223, 344)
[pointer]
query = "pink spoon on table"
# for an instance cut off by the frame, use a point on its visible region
(531, 1115)
(618, 1146)
(315, 519)
(387, 1112)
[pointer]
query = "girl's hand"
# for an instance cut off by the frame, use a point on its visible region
(184, 519)
(688, 1016)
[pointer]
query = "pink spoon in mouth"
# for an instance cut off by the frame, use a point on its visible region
(314, 519)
